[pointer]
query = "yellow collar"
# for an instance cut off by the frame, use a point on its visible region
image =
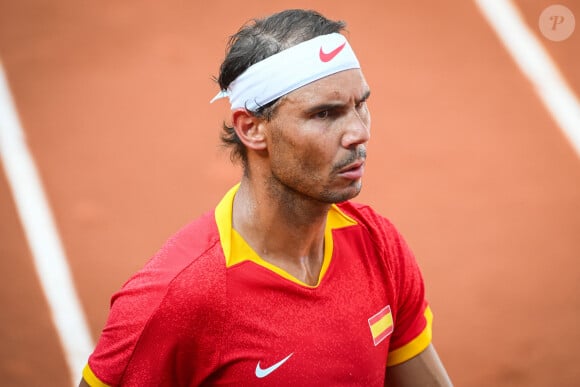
(237, 250)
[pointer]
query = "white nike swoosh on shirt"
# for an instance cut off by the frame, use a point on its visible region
(263, 372)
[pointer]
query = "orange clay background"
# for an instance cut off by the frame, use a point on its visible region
(464, 159)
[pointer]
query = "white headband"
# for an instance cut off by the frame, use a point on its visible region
(281, 73)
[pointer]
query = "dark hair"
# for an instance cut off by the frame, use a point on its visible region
(259, 39)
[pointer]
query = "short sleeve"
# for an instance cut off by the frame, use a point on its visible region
(413, 318)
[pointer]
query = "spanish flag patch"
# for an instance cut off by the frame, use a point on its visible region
(381, 325)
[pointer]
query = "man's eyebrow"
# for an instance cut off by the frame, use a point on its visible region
(324, 106)
(365, 96)
(335, 105)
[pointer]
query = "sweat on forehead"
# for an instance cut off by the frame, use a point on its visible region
(288, 70)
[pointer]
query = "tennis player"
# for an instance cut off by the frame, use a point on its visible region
(287, 282)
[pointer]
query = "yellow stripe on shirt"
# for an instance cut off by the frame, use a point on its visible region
(415, 346)
(91, 378)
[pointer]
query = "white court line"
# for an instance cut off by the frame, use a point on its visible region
(536, 64)
(41, 233)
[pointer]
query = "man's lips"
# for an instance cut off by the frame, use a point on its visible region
(353, 171)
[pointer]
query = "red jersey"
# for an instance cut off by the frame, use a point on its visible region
(207, 310)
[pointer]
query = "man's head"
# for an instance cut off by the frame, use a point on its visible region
(260, 39)
(300, 122)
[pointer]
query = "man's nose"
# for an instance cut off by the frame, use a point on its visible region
(357, 130)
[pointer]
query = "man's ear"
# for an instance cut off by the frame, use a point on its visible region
(249, 129)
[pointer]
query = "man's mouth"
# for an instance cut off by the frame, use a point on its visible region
(353, 171)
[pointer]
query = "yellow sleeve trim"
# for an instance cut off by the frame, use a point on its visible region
(415, 346)
(91, 378)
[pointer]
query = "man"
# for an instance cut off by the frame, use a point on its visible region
(287, 282)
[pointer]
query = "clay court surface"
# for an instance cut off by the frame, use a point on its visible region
(464, 158)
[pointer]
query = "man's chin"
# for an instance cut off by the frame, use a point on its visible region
(343, 195)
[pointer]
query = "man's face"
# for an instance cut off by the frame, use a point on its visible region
(317, 138)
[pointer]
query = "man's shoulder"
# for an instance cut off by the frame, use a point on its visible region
(166, 300)
(375, 226)
(192, 252)
(366, 215)
(192, 242)
(196, 239)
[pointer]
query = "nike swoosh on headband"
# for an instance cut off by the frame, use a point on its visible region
(327, 57)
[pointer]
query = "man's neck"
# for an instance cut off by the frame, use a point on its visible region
(283, 227)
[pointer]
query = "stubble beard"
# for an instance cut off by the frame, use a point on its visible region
(291, 193)
(290, 189)
(332, 197)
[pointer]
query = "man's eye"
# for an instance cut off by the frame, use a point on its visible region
(322, 114)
